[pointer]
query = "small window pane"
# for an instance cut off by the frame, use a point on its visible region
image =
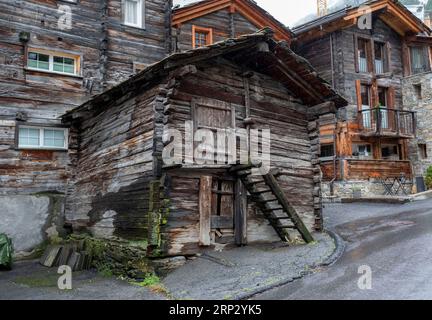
(29, 137)
(38, 61)
(54, 138)
(131, 12)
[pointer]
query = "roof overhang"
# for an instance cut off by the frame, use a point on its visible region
(249, 9)
(257, 52)
(391, 12)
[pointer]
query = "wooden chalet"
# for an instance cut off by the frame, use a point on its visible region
(368, 140)
(121, 186)
(205, 22)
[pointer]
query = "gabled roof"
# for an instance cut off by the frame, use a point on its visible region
(391, 12)
(248, 8)
(257, 51)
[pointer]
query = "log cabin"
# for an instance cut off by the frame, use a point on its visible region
(54, 56)
(123, 186)
(204, 22)
(365, 52)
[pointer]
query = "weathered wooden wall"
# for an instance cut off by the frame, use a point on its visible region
(354, 169)
(272, 107)
(223, 23)
(109, 192)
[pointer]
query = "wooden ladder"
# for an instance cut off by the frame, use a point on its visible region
(266, 192)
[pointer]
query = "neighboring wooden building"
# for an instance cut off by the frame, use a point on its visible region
(205, 22)
(369, 139)
(122, 187)
(54, 56)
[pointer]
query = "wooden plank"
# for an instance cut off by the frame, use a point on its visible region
(240, 215)
(221, 222)
(205, 200)
(279, 193)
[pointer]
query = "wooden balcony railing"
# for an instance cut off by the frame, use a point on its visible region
(387, 123)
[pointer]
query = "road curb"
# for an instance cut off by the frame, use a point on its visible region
(339, 250)
(337, 253)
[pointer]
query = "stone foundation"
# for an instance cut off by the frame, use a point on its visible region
(346, 189)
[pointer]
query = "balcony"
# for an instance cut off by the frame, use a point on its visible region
(384, 122)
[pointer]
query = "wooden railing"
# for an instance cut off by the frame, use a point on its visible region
(387, 122)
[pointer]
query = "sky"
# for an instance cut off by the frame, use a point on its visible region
(286, 11)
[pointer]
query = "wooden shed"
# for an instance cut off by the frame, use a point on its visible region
(122, 187)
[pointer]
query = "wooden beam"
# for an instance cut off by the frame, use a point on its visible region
(240, 213)
(205, 200)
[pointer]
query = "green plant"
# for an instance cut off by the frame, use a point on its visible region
(149, 281)
(428, 179)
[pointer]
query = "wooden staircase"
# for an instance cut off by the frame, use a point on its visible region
(266, 192)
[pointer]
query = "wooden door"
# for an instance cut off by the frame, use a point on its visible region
(216, 116)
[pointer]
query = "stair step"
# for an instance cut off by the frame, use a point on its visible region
(260, 200)
(260, 192)
(272, 209)
(279, 218)
(286, 227)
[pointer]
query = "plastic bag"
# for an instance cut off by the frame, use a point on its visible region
(6, 251)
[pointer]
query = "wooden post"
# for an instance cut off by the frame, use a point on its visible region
(205, 200)
(154, 214)
(240, 214)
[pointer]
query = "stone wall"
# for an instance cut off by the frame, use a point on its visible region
(345, 189)
(417, 96)
(30, 220)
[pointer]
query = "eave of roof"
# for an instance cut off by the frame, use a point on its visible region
(348, 17)
(294, 71)
(252, 11)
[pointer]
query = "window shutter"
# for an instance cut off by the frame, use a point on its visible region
(391, 98)
(123, 12)
(358, 94)
(356, 54)
(143, 14)
(391, 105)
(387, 57)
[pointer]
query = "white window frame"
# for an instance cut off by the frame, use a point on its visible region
(52, 54)
(140, 14)
(41, 138)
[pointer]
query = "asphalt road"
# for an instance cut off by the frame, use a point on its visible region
(394, 241)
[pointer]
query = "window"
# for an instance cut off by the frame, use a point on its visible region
(380, 57)
(53, 62)
(423, 151)
(418, 91)
(390, 152)
(362, 151)
(30, 137)
(419, 59)
(366, 102)
(327, 150)
(201, 37)
(363, 55)
(382, 100)
(133, 13)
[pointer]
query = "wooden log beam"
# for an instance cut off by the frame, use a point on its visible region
(240, 213)
(321, 109)
(205, 200)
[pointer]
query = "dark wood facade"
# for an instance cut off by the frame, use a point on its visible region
(218, 20)
(362, 64)
(122, 187)
(105, 51)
